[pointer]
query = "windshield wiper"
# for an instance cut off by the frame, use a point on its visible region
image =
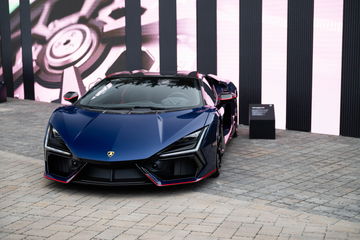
(149, 107)
(146, 108)
(120, 108)
(130, 108)
(92, 107)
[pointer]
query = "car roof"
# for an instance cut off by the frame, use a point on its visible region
(140, 73)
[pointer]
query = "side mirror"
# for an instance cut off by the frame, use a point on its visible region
(227, 96)
(71, 97)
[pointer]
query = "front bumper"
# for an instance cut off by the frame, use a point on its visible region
(167, 171)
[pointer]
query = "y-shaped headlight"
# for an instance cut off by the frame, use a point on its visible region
(188, 144)
(54, 142)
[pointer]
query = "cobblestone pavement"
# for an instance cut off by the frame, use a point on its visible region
(308, 172)
(299, 186)
(23, 125)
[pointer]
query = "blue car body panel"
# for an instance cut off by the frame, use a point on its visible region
(90, 135)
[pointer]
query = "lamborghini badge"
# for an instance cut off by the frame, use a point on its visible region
(110, 153)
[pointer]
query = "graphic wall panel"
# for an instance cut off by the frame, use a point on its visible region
(302, 56)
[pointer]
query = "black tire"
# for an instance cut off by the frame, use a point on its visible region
(236, 131)
(216, 174)
(218, 157)
(236, 127)
(218, 166)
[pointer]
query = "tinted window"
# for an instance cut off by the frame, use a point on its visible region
(167, 93)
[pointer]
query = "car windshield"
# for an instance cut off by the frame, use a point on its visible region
(150, 92)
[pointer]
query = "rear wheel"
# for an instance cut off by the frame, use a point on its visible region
(236, 128)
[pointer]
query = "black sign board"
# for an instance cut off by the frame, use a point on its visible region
(262, 121)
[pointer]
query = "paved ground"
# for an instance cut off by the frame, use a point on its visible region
(300, 186)
(23, 125)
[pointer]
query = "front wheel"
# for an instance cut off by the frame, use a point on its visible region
(218, 158)
(218, 166)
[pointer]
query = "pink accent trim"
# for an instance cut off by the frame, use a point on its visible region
(70, 98)
(223, 99)
(199, 75)
(170, 184)
(50, 178)
(69, 180)
(117, 73)
(227, 137)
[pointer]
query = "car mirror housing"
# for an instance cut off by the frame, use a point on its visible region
(71, 97)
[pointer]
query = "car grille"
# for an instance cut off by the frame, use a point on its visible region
(174, 167)
(120, 172)
(113, 173)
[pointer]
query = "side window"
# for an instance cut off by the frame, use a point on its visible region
(210, 93)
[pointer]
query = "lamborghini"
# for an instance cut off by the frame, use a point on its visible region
(138, 128)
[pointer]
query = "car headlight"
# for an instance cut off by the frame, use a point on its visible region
(55, 133)
(187, 144)
(55, 143)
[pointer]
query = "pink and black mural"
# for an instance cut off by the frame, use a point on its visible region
(297, 55)
(73, 45)
(76, 44)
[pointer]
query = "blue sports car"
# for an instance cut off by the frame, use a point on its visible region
(136, 128)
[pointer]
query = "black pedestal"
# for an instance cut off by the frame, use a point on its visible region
(2, 92)
(262, 121)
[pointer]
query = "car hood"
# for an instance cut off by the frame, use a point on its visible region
(90, 134)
